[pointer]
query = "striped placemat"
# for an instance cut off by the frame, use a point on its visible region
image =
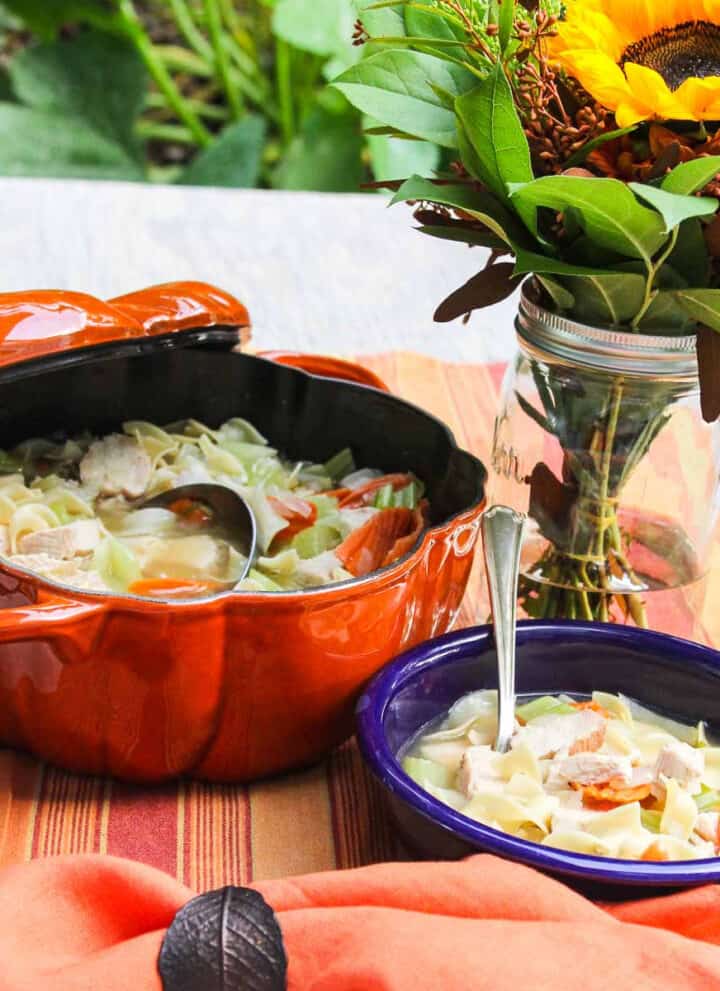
(330, 816)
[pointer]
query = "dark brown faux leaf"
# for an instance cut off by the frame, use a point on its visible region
(493, 284)
(551, 502)
(708, 352)
(668, 159)
(225, 940)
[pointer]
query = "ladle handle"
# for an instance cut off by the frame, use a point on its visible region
(502, 530)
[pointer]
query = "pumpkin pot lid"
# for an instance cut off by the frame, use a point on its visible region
(59, 327)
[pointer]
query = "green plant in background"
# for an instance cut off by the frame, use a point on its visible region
(206, 92)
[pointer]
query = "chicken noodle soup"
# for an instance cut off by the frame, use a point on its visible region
(71, 510)
(604, 776)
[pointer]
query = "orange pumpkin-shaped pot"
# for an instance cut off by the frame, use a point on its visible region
(245, 684)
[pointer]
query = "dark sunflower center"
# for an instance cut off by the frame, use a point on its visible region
(680, 52)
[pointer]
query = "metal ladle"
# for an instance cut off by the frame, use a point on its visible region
(230, 511)
(502, 531)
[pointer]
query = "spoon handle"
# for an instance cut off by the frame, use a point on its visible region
(502, 530)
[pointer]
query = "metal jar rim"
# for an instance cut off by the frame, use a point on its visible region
(545, 334)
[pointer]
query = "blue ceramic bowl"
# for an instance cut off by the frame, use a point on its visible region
(679, 678)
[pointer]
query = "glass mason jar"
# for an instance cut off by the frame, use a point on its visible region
(600, 440)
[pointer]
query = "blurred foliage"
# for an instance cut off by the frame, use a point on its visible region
(204, 92)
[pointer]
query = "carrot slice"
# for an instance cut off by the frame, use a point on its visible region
(654, 852)
(367, 548)
(299, 513)
(190, 511)
(338, 494)
(359, 496)
(614, 796)
(593, 706)
(172, 588)
(405, 544)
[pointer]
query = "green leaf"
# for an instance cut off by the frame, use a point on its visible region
(381, 21)
(703, 305)
(560, 295)
(95, 77)
(326, 155)
(674, 207)
(505, 23)
(528, 262)
(665, 315)
(610, 299)
(434, 23)
(689, 257)
(609, 212)
(38, 143)
(396, 87)
(494, 130)
(480, 205)
(393, 158)
(690, 177)
(46, 17)
(318, 26)
(233, 159)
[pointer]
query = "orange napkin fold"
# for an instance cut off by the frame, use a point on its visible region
(97, 924)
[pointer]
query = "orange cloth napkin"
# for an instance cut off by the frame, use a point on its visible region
(97, 923)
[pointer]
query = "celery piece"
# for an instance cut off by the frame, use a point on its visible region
(60, 510)
(316, 476)
(384, 497)
(546, 705)
(315, 540)
(266, 584)
(340, 464)
(406, 497)
(424, 772)
(116, 564)
(325, 505)
(650, 819)
(708, 800)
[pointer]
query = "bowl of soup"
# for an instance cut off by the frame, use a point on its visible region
(613, 774)
(127, 647)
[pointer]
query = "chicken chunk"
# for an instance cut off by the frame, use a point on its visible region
(320, 570)
(116, 464)
(575, 733)
(4, 539)
(476, 768)
(590, 769)
(682, 763)
(68, 572)
(70, 540)
(707, 826)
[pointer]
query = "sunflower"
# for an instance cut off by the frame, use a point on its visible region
(644, 59)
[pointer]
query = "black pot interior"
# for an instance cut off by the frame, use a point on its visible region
(306, 418)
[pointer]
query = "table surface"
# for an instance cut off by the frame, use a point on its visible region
(318, 272)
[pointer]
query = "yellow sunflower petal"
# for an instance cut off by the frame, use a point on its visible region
(600, 76)
(650, 89)
(701, 97)
(593, 31)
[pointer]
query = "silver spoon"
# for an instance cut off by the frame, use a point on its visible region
(229, 511)
(502, 530)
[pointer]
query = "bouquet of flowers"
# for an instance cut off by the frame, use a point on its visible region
(583, 144)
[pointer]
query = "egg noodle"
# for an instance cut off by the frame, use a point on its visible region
(603, 776)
